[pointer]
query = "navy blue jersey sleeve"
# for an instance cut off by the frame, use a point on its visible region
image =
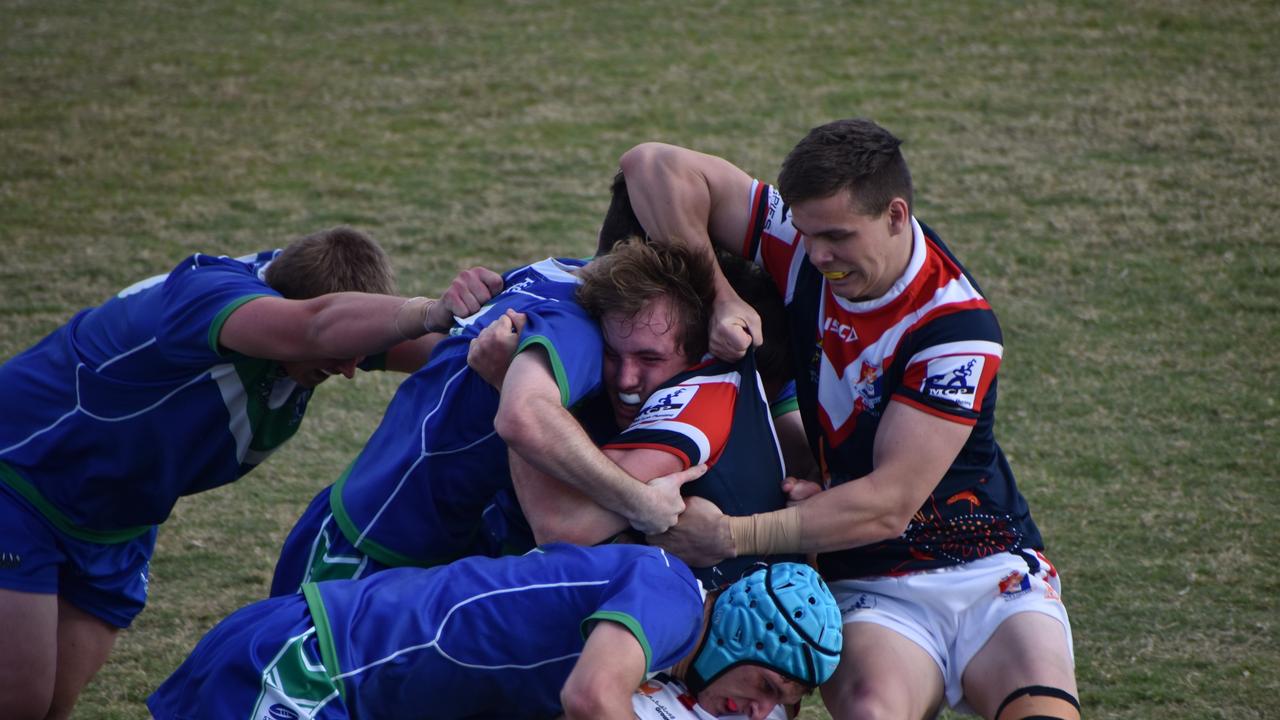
(658, 601)
(198, 296)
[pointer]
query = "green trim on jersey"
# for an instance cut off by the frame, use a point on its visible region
(625, 621)
(11, 478)
(295, 681)
(269, 428)
(215, 328)
(782, 407)
(557, 365)
(378, 552)
(324, 636)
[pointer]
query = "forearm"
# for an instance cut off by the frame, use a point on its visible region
(846, 516)
(343, 325)
(553, 442)
(558, 512)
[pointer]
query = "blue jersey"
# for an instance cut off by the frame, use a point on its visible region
(932, 342)
(416, 492)
(132, 404)
(496, 637)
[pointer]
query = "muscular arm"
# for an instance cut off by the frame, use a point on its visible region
(533, 423)
(913, 450)
(699, 199)
(611, 667)
(352, 324)
(559, 512)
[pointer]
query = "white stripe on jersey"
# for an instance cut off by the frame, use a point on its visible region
(434, 643)
(969, 347)
(692, 432)
(237, 402)
(837, 392)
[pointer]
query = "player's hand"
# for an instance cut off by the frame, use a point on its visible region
(797, 490)
(735, 326)
(663, 502)
(468, 292)
(489, 354)
(702, 536)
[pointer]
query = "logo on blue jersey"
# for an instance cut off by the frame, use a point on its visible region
(10, 560)
(951, 378)
(282, 712)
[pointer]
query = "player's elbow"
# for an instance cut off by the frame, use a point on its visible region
(587, 700)
(517, 424)
(641, 156)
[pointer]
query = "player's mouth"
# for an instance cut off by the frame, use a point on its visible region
(629, 399)
(730, 706)
(835, 274)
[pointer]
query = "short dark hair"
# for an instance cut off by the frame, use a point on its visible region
(855, 155)
(637, 271)
(340, 259)
(620, 221)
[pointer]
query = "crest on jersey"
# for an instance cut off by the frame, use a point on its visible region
(954, 378)
(666, 404)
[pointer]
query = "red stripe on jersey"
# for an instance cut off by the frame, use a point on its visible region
(711, 411)
(685, 461)
(934, 411)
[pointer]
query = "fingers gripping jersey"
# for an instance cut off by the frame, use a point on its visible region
(416, 492)
(496, 637)
(132, 404)
(932, 342)
(716, 413)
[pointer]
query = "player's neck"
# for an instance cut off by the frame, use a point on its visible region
(680, 670)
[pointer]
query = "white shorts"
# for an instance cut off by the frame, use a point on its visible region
(952, 612)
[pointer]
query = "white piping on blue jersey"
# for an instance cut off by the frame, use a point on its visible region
(124, 355)
(79, 406)
(423, 455)
(665, 559)
(434, 643)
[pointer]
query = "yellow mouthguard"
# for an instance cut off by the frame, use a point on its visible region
(835, 275)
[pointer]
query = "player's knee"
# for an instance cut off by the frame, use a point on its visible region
(861, 703)
(1039, 702)
(26, 703)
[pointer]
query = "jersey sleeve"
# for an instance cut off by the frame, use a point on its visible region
(772, 242)
(689, 419)
(657, 604)
(951, 371)
(573, 344)
(197, 297)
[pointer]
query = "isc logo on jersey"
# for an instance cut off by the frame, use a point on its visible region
(666, 404)
(954, 378)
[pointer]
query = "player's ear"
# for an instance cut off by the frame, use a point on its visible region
(899, 216)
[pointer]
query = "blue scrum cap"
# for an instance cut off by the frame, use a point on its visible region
(782, 617)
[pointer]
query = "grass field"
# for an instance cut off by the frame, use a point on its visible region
(1107, 170)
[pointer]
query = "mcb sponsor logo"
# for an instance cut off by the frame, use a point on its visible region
(954, 378)
(666, 404)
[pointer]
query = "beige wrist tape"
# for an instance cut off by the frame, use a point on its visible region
(420, 307)
(770, 533)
